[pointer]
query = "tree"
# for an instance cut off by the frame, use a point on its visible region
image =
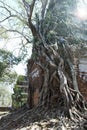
(7, 60)
(53, 52)
(55, 57)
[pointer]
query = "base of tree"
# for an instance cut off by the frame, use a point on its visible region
(40, 118)
(53, 80)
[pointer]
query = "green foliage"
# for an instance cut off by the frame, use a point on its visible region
(2, 68)
(20, 79)
(7, 59)
(19, 98)
(17, 89)
(8, 76)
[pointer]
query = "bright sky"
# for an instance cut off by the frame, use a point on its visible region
(12, 44)
(81, 11)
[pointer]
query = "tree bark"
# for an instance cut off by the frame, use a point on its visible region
(51, 70)
(57, 84)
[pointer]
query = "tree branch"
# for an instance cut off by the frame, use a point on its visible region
(29, 8)
(12, 30)
(7, 18)
(29, 11)
(6, 9)
(45, 5)
(12, 15)
(10, 7)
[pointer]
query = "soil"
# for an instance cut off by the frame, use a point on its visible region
(40, 118)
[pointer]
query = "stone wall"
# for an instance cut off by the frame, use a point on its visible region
(82, 74)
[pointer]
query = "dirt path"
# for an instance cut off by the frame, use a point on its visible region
(39, 119)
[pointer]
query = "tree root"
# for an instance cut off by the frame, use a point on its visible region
(54, 70)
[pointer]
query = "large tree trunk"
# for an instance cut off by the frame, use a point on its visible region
(51, 69)
(52, 79)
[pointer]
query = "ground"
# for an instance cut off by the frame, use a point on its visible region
(39, 119)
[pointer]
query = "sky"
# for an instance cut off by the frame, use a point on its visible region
(13, 42)
(82, 9)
